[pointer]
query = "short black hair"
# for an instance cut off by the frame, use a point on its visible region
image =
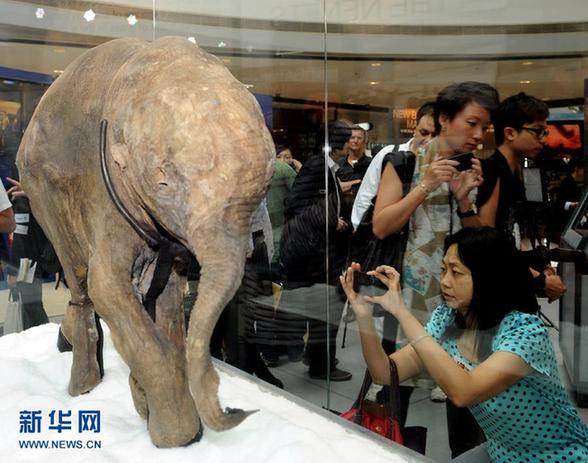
(282, 147)
(502, 282)
(426, 109)
(516, 111)
(452, 99)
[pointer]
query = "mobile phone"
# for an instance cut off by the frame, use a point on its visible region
(464, 159)
(368, 285)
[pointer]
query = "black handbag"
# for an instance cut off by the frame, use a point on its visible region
(389, 250)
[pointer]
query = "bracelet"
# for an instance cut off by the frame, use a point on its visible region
(424, 187)
(420, 338)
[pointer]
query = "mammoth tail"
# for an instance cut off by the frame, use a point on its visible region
(222, 265)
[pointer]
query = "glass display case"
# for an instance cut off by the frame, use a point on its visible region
(333, 83)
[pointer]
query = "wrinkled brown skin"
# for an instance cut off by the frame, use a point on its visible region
(187, 145)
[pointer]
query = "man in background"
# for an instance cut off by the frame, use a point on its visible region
(520, 128)
(424, 132)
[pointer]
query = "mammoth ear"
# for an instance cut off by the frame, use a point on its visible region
(120, 154)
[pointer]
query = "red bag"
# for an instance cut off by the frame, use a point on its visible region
(383, 419)
(374, 417)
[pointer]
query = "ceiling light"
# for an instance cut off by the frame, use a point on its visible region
(527, 63)
(89, 15)
(40, 13)
(524, 81)
(376, 65)
(222, 44)
(58, 71)
(192, 39)
(249, 85)
(132, 20)
(374, 82)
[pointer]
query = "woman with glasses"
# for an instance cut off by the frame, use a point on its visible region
(520, 127)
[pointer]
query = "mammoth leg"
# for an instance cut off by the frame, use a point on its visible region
(222, 261)
(170, 319)
(81, 330)
(157, 367)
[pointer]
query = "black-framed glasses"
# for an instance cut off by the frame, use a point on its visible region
(540, 132)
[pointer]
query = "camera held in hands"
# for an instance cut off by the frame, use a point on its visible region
(368, 285)
(464, 159)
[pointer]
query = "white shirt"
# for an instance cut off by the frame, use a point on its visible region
(370, 183)
(4, 201)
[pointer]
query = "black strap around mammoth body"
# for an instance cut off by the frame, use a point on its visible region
(167, 249)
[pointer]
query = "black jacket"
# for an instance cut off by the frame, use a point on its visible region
(303, 248)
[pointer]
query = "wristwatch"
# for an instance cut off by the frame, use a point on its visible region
(472, 210)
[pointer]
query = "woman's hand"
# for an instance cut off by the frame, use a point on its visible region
(467, 181)
(359, 304)
(392, 301)
(15, 190)
(439, 171)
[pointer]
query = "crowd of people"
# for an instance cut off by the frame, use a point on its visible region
(459, 219)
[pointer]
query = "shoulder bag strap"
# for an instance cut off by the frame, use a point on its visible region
(394, 392)
(367, 382)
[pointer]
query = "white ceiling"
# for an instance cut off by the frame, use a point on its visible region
(378, 69)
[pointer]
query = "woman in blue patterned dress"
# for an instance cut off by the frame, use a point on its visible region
(486, 348)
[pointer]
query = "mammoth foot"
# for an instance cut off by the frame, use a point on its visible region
(85, 370)
(198, 435)
(205, 395)
(173, 426)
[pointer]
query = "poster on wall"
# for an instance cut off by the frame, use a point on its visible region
(9, 111)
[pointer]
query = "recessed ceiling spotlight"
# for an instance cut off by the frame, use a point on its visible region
(192, 39)
(374, 82)
(527, 63)
(376, 65)
(524, 81)
(90, 15)
(132, 20)
(40, 13)
(249, 85)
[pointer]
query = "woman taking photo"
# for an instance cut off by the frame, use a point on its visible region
(486, 349)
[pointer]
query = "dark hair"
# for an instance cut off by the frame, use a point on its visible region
(282, 147)
(517, 110)
(338, 132)
(426, 109)
(452, 99)
(501, 282)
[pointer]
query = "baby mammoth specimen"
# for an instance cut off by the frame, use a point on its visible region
(190, 159)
